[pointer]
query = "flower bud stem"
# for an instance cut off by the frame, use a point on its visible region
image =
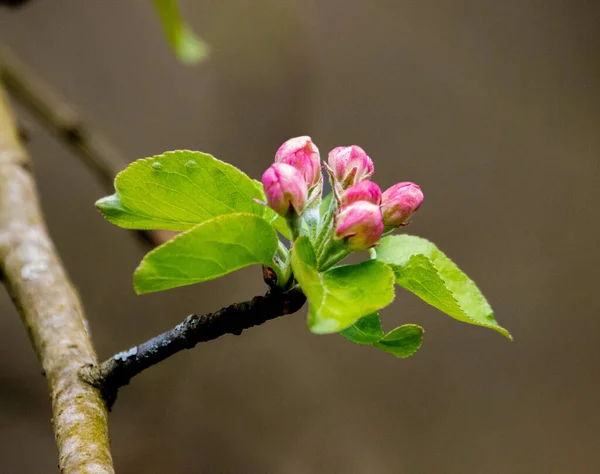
(293, 222)
(283, 250)
(332, 255)
(325, 230)
(311, 218)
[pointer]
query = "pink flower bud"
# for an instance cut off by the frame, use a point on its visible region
(359, 224)
(350, 165)
(400, 202)
(285, 189)
(363, 191)
(302, 154)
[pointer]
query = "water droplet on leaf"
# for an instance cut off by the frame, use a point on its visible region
(157, 165)
(190, 165)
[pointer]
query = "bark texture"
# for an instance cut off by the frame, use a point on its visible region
(50, 310)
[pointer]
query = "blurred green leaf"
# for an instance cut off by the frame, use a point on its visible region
(178, 190)
(189, 48)
(420, 267)
(212, 249)
(340, 295)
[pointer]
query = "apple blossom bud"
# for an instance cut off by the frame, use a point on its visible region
(363, 191)
(349, 165)
(359, 224)
(285, 189)
(302, 154)
(400, 202)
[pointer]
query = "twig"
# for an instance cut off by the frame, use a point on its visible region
(117, 371)
(60, 116)
(50, 310)
(62, 119)
(106, 162)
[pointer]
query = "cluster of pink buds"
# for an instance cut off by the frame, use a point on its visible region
(358, 219)
(295, 179)
(363, 212)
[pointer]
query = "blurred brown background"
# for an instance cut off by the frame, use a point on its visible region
(493, 107)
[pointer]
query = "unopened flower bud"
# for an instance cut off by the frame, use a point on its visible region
(349, 165)
(359, 224)
(285, 189)
(302, 154)
(363, 191)
(400, 202)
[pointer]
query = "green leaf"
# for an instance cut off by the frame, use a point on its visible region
(340, 295)
(366, 330)
(209, 250)
(189, 48)
(277, 222)
(420, 267)
(178, 190)
(402, 342)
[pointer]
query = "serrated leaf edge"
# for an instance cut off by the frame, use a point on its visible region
(496, 327)
(182, 234)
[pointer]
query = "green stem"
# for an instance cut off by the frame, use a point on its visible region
(283, 250)
(294, 222)
(326, 228)
(332, 254)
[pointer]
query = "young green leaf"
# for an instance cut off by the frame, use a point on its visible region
(178, 190)
(366, 330)
(209, 250)
(188, 47)
(402, 342)
(420, 267)
(340, 295)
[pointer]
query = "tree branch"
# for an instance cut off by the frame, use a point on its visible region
(64, 121)
(50, 310)
(106, 162)
(118, 370)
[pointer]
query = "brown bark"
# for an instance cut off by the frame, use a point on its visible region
(50, 310)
